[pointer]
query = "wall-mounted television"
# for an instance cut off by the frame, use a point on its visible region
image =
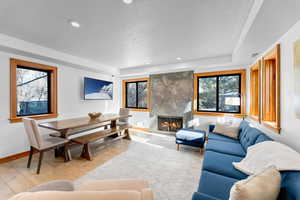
(95, 89)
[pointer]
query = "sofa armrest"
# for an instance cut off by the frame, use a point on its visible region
(119, 184)
(80, 195)
(211, 128)
(201, 196)
(147, 194)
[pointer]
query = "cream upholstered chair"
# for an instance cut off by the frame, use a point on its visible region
(123, 121)
(41, 143)
(124, 189)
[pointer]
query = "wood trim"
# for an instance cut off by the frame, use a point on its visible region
(124, 95)
(215, 73)
(271, 121)
(243, 92)
(139, 128)
(14, 157)
(257, 102)
(13, 89)
(255, 118)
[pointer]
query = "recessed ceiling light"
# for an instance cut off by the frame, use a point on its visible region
(147, 63)
(178, 58)
(128, 1)
(74, 23)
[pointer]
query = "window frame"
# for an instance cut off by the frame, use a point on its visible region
(273, 125)
(52, 84)
(241, 73)
(256, 67)
(124, 94)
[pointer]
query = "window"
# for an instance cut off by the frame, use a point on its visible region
(217, 93)
(255, 72)
(271, 89)
(135, 94)
(33, 90)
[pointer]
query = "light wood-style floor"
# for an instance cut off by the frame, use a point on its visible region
(15, 177)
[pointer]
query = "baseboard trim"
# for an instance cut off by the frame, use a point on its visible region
(15, 156)
(139, 128)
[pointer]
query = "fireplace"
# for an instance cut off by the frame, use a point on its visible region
(169, 123)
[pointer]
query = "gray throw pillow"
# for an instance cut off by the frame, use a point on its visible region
(58, 185)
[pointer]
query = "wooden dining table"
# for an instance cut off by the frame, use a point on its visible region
(67, 127)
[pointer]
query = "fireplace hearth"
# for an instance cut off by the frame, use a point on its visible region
(169, 123)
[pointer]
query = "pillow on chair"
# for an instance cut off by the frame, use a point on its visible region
(262, 186)
(58, 185)
(226, 129)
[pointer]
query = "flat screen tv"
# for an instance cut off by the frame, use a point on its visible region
(95, 89)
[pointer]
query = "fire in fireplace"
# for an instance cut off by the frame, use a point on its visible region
(169, 123)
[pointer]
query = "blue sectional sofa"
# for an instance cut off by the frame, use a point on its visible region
(219, 175)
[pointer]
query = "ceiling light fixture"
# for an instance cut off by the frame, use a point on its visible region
(178, 58)
(74, 24)
(147, 63)
(128, 1)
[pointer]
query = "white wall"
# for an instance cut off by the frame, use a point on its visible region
(70, 102)
(290, 132)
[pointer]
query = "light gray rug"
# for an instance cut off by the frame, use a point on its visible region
(173, 175)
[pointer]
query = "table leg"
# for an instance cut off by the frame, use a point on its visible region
(64, 151)
(112, 126)
(127, 134)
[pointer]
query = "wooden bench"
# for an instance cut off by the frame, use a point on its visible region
(85, 140)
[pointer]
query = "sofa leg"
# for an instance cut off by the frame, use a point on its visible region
(201, 150)
(177, 147)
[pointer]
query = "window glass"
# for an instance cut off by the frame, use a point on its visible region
(229, 93)
(32, 91)
(131, 95)
(219, 94)
(142, 94)
(207, 94)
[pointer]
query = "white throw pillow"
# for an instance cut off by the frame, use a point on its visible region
(229, 130)
(269, 153)
(262, 186)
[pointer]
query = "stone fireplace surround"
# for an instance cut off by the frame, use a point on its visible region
(171, 94)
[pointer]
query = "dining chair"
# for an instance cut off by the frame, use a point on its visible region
(123, 121)
(42, 143)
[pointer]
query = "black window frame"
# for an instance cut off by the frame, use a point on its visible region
(136, 95)
(217, 93)
(48, 90)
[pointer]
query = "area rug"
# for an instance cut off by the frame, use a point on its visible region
(173, 175)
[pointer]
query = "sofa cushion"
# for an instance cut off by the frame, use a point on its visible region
(226, 147)
(215, 185)
(201, 196)
(222, 164)
(290, 185)
(262, 138)
(243, 125)
(215, 136)
(249, 137)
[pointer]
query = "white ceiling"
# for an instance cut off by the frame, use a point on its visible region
(274, 18)
(121, 36)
